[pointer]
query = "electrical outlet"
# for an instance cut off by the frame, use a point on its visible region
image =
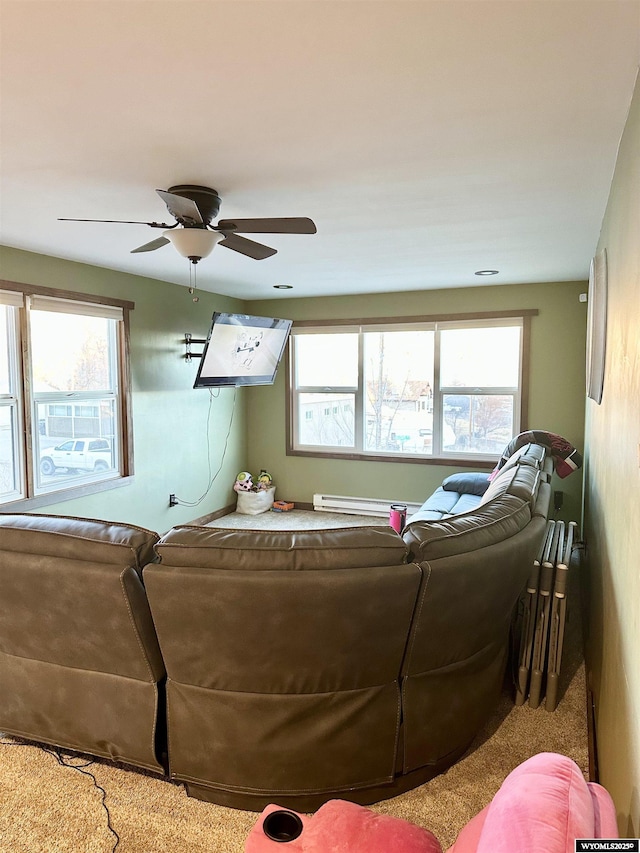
(173, 501)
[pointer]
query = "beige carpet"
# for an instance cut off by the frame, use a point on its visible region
(46, 808)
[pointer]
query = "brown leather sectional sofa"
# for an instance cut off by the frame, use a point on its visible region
(296, 666)
(80, 665)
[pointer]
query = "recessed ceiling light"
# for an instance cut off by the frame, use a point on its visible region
(486, 272)
(283, 286)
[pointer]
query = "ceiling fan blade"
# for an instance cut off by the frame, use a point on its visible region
(152, 246)
(275, 225)
(183, 209)
(254, 250)
(123, 221)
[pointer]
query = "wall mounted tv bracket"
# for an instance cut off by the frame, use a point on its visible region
(188, 340)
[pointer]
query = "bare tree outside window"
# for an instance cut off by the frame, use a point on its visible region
(398, 377)
(429, 389)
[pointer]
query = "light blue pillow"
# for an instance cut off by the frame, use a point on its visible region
(467, 483)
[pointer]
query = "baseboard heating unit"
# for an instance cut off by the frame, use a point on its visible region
(359, 506)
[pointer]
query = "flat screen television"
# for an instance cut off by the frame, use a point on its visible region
(242, 350)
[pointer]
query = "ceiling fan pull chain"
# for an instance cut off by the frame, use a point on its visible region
(193, 284)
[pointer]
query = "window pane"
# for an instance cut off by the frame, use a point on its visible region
(430, 389)
(480, 358)
(398, 376)
(70, 352)
(327, 360)
(72, 446)
(6, 317)
(60, 459)
(326, 420)
(477, 423)
(74, 353)
(8, 478)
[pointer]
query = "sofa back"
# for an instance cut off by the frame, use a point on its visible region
(475, 566)
(266, 663)
(533, 454)
(459, 641)
(281, 550)
(79, 657)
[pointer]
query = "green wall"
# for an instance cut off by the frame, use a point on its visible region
(612, 496)
(169, 418)
(556, 401)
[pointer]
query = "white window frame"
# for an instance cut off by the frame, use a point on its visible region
(436, 324)
(32, 492)
(13, 400)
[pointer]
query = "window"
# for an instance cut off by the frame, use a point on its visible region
(63, 364)
(11, 460)
(439, 389)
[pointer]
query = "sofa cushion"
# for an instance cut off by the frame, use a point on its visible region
(298, 550)
(528, 454)
(522, 481)
(467, 483)
(66, 537)
(443, 504)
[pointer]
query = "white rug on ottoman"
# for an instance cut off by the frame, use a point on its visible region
(295, 519)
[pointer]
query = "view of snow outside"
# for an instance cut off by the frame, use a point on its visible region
(399, 381)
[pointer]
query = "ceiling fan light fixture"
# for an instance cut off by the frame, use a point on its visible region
(193, 243)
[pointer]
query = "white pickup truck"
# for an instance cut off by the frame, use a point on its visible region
(83, 454)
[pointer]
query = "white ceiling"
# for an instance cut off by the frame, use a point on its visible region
(426, 139)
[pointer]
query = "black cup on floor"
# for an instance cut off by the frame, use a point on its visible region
(282, 825)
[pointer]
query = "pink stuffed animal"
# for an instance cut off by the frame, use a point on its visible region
(337, 827)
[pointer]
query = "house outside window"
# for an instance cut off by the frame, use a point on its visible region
(436, 389)
(64, 419)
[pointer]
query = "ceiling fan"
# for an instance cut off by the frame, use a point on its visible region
(194, 207)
